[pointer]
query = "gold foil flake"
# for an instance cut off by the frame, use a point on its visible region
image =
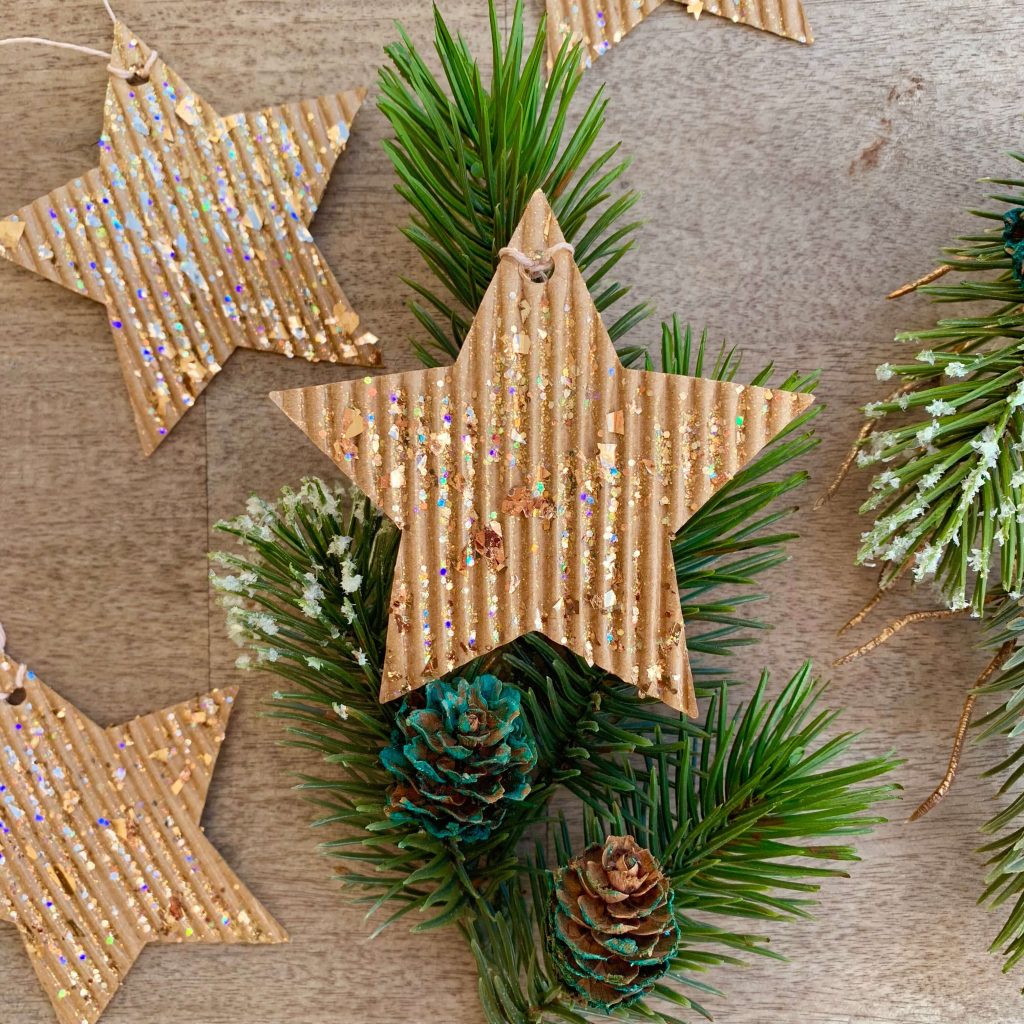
(187, 110)
(346, 318)
(196, 274)
(600, 26)
(352, 423)
(11, 232)
(526, 501)
(102, 851)
(519, 488)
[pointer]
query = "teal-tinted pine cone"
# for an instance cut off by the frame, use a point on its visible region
(612, 930)
(461, 751)
(1013, 239)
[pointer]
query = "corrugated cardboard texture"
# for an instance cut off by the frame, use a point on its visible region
(600, 24)
(538, 483)
(193, 231)
(101, 850)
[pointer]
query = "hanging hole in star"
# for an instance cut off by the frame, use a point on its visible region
(539, 267)
(17, 696)
(540, 274)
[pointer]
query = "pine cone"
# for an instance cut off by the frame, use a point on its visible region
(612, 930)
(460, 751)
(1013, 239)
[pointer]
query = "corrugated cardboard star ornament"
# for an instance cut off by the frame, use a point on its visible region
(537, 482)
(600, 24)
(193, 231)
(101, 850)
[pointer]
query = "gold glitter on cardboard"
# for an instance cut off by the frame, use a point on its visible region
(193, 231)
(538, 483)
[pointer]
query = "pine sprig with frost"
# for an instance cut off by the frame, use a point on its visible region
(948, 444)
(948, 498)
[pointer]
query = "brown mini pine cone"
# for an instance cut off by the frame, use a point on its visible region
(612, 930)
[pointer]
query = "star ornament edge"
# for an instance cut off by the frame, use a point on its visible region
(534, 474)
(601, 28)
(131, 796)
(241, 270)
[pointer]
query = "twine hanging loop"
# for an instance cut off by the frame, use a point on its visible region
(19, 677)
(137, 71)
(538, 267)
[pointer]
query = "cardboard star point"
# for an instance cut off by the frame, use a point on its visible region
(600, 27)
(537, 482)
(193, 231)
(101, 847)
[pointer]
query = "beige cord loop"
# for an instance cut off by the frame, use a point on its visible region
(537, 268)
(42, 41)
(19, 678)
(141, 72)
(127, 74)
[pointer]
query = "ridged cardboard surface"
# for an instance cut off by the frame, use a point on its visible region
(101, 850)
(193, 231)
(600, 24)
(538, 483)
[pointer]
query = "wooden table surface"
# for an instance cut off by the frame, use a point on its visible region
(787, 189)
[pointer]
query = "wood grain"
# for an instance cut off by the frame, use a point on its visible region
(787, 190)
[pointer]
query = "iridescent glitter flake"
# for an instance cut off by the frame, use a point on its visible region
(538, 483)
(193, 231)
(599, 26)
(101, 850)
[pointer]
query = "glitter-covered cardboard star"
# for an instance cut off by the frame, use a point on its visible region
(537, 482)
(101, 850)
(193, 231)
(600, 25)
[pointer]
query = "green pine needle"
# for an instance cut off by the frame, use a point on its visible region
(469, 157)
(1005, 853)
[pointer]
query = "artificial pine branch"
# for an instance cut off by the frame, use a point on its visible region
(742, 816)
(469, 157)
(949, 500)
(723, 803)
(729, 813)
(1006, 852)
(310, 601)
